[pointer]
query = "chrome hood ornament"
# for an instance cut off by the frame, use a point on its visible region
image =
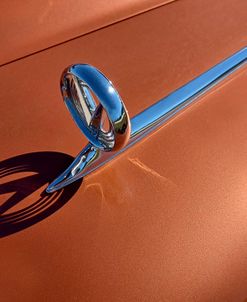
(107, 125)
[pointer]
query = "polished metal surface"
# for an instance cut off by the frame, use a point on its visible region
(77, 84)
(105, 144)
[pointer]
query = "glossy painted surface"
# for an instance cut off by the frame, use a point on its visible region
(173, 230)
(29, 26)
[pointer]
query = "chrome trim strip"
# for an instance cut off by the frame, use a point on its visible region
(91, 158)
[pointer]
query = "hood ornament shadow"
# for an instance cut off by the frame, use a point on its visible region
(24, 202)
(99, 112)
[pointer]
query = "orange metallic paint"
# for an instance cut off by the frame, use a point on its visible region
(166, 221)
(29, 26)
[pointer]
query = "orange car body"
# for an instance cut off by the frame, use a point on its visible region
(165, 221)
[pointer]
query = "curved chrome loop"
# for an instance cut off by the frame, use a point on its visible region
(78, 82)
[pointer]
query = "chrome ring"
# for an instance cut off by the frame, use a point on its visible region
(78, 84)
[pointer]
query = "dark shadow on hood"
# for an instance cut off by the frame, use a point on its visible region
(43, 168)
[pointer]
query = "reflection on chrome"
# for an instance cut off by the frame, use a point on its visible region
(80, 82)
